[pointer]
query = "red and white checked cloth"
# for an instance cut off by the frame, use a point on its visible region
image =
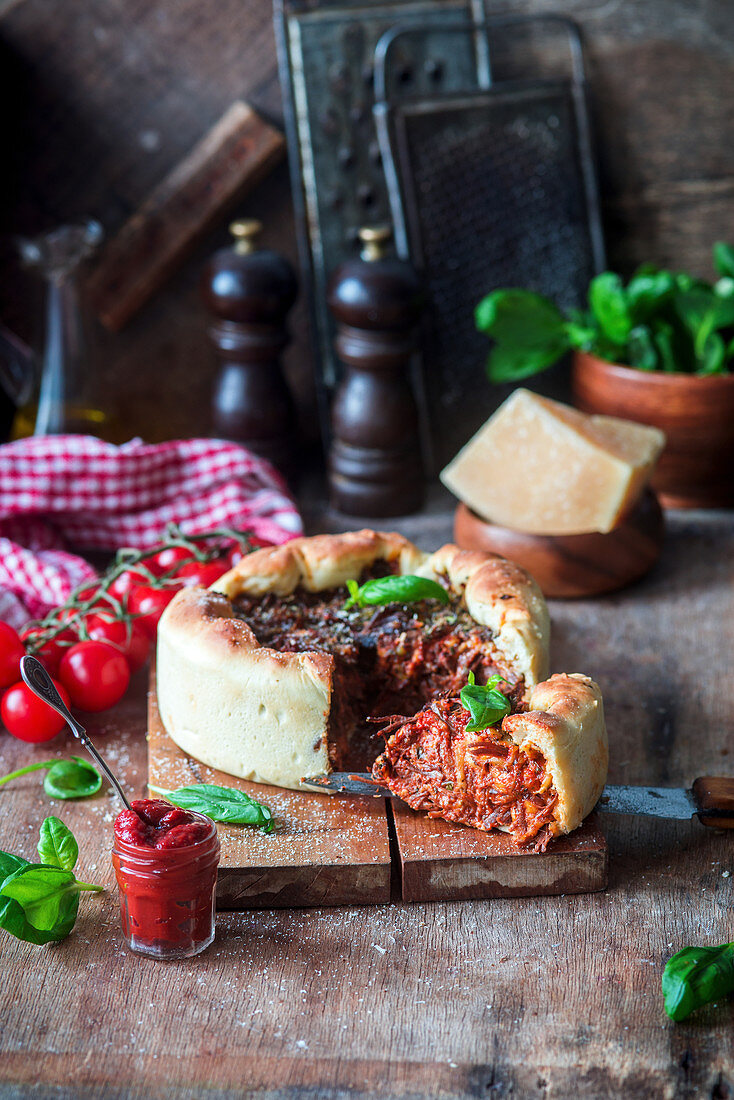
(75, 490)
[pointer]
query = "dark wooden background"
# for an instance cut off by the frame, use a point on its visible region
(103, 97)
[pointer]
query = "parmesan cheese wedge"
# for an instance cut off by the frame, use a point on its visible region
(545, 468)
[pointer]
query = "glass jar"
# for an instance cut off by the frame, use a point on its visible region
(167, 895)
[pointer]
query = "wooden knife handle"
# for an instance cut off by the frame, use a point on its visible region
(715, 801)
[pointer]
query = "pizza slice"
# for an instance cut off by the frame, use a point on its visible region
(535, 772)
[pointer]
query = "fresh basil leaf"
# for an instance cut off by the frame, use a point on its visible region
(581, 336)
(724, 258)
(75, 778)
(12, 917)
(608, 301)
(530, 333)
(724, 288)
(641, 349)
(508, 364)
(57, 846)
(646, 293)
(663, 336)
(404, 588)
(486, 705)
(695, 976)
(9, 864)
(221, 804)
(41, 892)
(713, 355)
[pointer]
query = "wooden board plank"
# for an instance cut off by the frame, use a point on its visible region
(442, 862)
(323, 851)
(233, 156)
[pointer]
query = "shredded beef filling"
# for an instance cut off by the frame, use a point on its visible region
(386, 659)
(478, 779)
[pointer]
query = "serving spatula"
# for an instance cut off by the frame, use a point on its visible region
(710, 798)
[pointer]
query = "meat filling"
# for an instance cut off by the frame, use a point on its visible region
(479, 779)
(386, 659)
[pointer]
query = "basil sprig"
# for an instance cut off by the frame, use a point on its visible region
(695, 976)
(221, 804)
(404, 588)
(486, 705)
(39, 902)
(74, 778)
(57, 845)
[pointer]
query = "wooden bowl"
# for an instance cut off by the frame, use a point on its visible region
(574, 565)
(696, 469)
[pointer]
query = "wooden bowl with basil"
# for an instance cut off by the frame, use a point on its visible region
(658, 349)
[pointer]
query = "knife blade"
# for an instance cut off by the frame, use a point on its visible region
(673, 803)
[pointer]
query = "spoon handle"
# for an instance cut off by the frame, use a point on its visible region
(41, 684)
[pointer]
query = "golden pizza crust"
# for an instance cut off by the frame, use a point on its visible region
(263, 715)
(566, 726)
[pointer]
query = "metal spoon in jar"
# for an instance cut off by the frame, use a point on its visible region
(41, 684)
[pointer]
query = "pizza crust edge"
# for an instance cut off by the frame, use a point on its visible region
(566, 725)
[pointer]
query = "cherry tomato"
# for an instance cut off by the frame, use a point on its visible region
(52, 651)
(202, 573)
(149, 604)
(168, 559)
(11, 651)
(126, 581)
(28, 718)
(95, 674)
(131, 640)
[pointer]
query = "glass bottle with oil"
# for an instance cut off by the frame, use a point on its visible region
(59, 403)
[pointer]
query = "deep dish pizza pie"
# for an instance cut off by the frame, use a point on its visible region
(536, 774)
(271, 676)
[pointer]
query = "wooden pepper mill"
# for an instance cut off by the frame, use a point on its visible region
(249, 291)
(375, 466)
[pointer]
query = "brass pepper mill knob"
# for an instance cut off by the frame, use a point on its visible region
(375, 240)
(245, 231)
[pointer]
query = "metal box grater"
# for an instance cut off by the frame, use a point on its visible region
(326, 63)
(491, 188)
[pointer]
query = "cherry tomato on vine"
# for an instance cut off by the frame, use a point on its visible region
(131, 640)
(28, 718)
(126, 581)
(202, 573)
(149, 604)
(51, 652)
(11, 651)
(95, 674)
(168, 559)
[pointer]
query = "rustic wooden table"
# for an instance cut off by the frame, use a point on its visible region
(544, 997)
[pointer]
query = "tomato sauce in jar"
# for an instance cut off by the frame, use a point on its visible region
(166, 860)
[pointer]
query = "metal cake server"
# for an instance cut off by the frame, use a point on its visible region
(711, 799)
(41, 684)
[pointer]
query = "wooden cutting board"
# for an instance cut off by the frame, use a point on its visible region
(336, 850)
(323, 850)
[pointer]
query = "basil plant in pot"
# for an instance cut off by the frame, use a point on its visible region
(659, 350)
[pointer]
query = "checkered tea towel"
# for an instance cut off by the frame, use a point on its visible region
(76, 490)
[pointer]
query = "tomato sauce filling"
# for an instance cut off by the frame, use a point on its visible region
(480, 779)
(386, 659)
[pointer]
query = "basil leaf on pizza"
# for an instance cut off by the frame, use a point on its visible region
(221, 804)
(404, 588)
(486, 705)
